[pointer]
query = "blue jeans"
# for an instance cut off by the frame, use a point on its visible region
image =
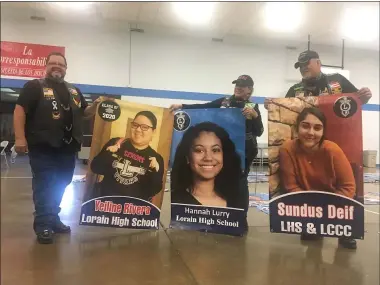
(52, 172)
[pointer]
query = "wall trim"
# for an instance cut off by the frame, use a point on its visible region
(141, 92)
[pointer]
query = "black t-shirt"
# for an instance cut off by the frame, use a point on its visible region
(127, 172)
(29, 97)
(326, 83)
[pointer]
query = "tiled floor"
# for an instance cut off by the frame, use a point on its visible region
(104, 256)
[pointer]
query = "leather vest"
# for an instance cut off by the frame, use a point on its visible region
(325, 84)
(47, 124)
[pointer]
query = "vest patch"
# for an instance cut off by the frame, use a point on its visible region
(73, 91)
(75, 96)
(335, 87)
(48, 93)
(56, 115)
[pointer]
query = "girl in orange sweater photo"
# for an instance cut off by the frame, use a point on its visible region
(311, 162)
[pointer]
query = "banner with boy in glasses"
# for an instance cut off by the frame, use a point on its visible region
(128, 159)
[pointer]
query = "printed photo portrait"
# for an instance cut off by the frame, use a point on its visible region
(207, 170)
(316, 167)
(311, 147)
(130, 155)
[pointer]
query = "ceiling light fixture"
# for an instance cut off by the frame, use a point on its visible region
(361, 23)
(283, 16)
(196, 13)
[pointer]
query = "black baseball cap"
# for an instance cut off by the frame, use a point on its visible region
(244, 81)
(305, 56)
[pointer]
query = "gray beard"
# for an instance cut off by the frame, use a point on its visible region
(57, 79)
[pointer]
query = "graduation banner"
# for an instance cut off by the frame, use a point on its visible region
(316, 166)
(207, 159)
(127, 166)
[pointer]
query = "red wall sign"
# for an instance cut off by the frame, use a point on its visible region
(25, 60)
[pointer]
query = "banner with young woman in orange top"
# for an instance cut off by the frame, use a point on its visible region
(316, 166)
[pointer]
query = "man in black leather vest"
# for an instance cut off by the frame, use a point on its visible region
(253, 125)
(48, 122)
(316, 83)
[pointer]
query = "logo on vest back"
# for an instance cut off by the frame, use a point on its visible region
(345, 107)
(181, 121)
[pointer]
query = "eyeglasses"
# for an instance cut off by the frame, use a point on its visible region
(56, 63)
(143, 127)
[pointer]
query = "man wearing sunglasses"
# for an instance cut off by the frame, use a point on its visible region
(253, 126)
(48, 121)
(130, 166)
(316, 83)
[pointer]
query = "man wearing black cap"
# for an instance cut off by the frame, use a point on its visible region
(316, 83)
(254, 125)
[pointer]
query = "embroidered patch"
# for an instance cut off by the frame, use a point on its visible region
(335, 87)
(54, 105)
(75, 96)
(77, 101)
(73, 91)
(56, 115)
(48, 93)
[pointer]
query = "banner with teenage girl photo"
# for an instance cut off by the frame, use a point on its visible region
(127, 166)
(206, 158)
(316, 166)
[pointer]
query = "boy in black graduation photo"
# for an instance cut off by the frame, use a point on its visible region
(129, 166)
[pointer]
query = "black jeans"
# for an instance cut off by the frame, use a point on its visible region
(52, 172)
